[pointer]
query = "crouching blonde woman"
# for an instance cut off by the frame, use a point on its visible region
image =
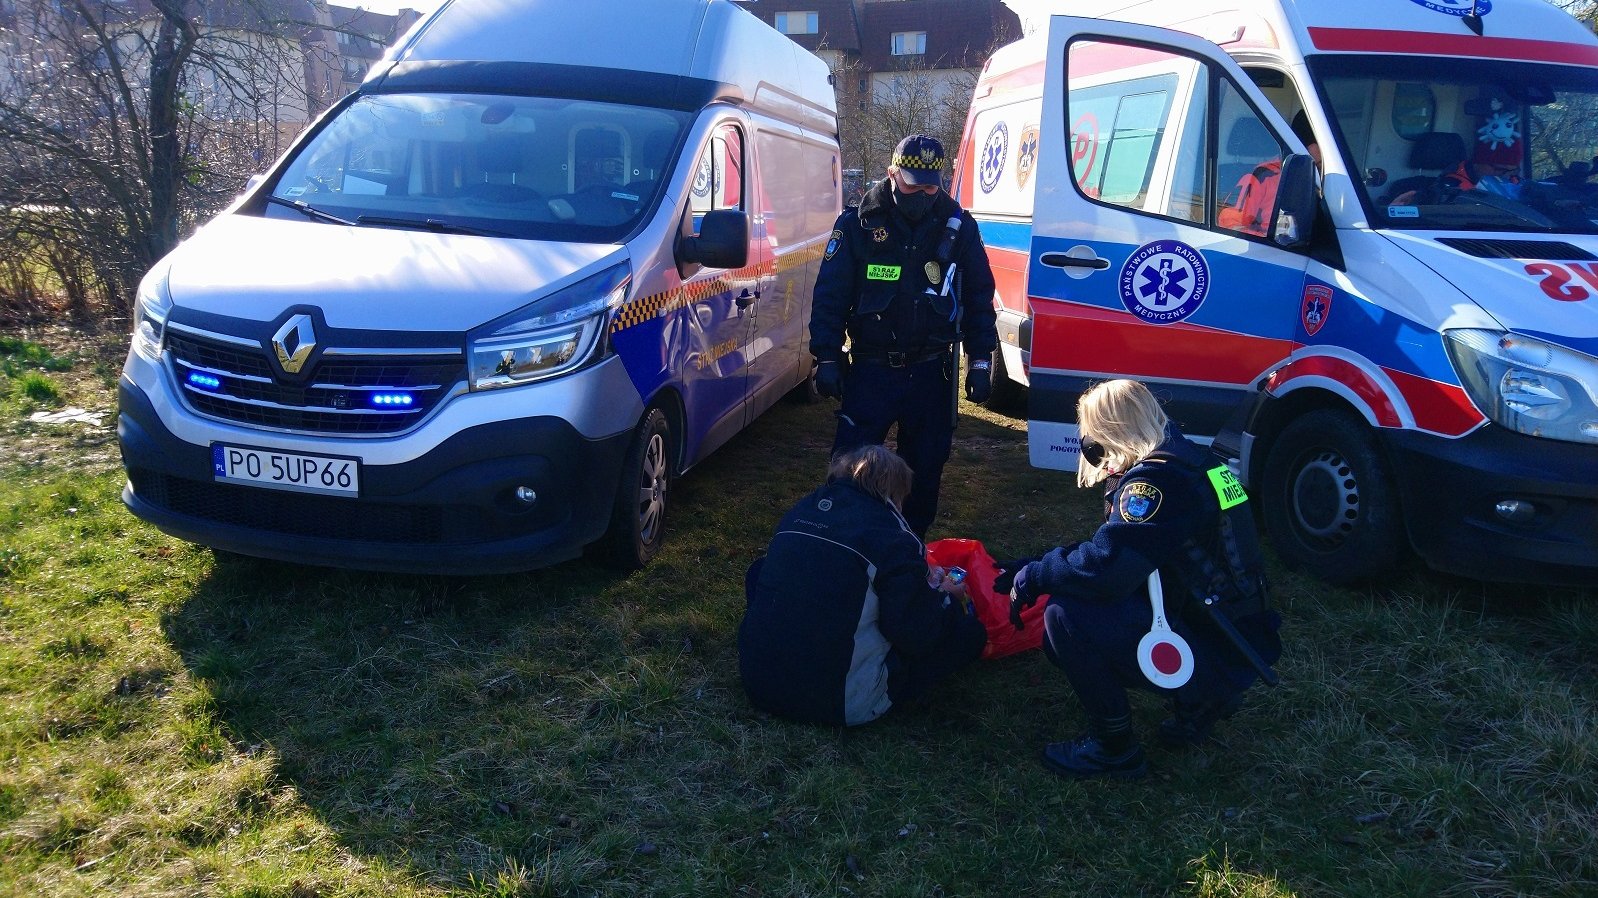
(1172, 507)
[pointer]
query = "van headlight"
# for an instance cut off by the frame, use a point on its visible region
(1528, 385)
(150, 313)
(558, 333)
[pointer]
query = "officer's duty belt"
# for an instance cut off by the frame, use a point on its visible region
(896, 359)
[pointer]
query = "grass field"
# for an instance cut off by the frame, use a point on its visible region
(175, 723)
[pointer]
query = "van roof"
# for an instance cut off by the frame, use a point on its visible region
(1533, 30)
(715, 42)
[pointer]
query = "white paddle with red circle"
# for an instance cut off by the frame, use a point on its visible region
(1164, 656)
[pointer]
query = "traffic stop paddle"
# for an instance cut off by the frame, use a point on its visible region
(1164, 656)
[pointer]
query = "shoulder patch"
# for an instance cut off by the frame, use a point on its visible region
(832, 243)
(1138, 501)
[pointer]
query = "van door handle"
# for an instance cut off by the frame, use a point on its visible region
(1061, 260)
(745, 299)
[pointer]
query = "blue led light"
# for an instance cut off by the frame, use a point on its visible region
(393, 400)
(204, 381)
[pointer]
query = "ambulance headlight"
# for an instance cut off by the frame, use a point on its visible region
(1528, 385)
(555, 335)
(150, 313)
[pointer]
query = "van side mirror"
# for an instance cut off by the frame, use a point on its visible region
(1296, 202)
(723, 241)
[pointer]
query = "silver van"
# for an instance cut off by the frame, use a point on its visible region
(548, 257)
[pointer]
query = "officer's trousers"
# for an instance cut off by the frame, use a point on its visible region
(917, 398)
(1095, 643)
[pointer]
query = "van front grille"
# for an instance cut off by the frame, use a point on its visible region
(340, 396)
(297, 514)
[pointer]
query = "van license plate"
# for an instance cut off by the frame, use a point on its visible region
(286, 470)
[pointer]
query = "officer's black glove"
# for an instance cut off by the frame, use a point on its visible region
(978, 382)
(1003, 583)
(829, 379)
(1021, 598)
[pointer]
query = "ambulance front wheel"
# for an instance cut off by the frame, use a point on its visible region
(1329, 499)
(638, 521)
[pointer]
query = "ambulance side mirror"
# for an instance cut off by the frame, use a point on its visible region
(1296, 202)
(723, 241)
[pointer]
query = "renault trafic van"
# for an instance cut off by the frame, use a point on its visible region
(1407, 359)
(545, 259)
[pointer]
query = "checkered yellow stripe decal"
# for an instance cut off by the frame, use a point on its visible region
(917, 162)
(658, 305)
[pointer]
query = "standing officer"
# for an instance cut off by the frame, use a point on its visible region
(885, 282)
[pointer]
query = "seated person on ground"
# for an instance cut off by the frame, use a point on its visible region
(844, 618)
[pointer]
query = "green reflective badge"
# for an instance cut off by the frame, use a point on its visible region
(1227, 489)
(882, 272)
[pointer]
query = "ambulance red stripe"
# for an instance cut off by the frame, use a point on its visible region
(1372, 40)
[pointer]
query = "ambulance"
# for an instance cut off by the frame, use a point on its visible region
(1403, 354)
(547, 258)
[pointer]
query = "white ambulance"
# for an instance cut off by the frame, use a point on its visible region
(1408, 360)
(549, 256)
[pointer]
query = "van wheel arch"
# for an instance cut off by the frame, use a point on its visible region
(1327, 493)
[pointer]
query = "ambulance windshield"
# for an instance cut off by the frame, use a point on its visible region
(1490, 145)
(531, 167)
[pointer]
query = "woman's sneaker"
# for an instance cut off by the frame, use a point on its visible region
(1086, 758)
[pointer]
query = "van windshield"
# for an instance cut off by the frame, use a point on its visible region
(1483, 145)
(529, 167)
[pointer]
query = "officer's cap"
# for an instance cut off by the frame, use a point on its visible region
(920, 159)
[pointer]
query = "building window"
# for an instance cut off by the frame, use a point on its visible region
(343, 38)
(797, 22)
(909, 43)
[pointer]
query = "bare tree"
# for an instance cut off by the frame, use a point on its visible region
(122, 124)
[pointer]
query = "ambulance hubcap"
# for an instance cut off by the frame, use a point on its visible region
(1325, 498)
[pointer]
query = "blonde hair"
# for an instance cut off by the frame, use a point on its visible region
(1124, 418)
(876, 470)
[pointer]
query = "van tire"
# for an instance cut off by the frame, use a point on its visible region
(638, 521)
(805, 393)
(1329, 500)
(1008, 395)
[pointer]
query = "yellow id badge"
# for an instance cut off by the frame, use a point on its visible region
(1227, 489)
(882, 272)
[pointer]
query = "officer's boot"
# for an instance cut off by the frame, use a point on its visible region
(1107, 749)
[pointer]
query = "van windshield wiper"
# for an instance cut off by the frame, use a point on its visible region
(309, 211)
(429, 224)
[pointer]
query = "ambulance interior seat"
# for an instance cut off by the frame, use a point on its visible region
(1248, 144)
(1436, 151)
(501, 158)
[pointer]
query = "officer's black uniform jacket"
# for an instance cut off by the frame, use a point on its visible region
(891, 313)
(843, 585)
(1152, 514)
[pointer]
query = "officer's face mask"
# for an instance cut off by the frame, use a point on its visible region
(914, 201)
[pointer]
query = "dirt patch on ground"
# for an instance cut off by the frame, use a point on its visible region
(86, 442)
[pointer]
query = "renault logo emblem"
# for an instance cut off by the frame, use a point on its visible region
(293, 343)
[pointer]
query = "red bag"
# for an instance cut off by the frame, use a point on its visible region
(992, 609)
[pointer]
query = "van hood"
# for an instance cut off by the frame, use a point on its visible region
(369, 278)
(1532, 285)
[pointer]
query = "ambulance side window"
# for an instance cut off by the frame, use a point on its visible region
(1247, 165)
(718, 177)
(1127, 106)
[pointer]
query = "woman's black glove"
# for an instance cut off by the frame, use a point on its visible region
(1007, 571)
(1021, 598)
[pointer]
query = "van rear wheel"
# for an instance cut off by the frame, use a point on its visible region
(638, 521)
(1329, 499)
